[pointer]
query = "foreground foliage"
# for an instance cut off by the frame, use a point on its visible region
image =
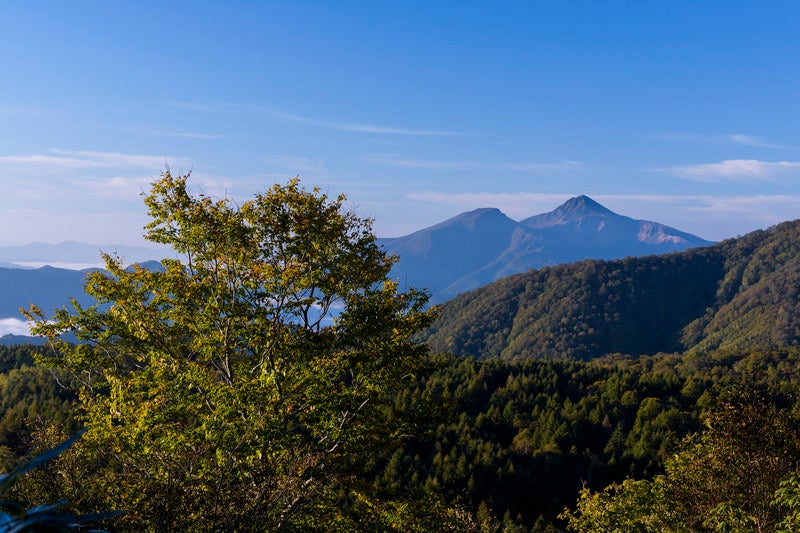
(235, 387)
(14, 517)
(30, 398)
(507, 446)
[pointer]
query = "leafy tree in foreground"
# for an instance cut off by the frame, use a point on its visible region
(235, 388)
(15, 518)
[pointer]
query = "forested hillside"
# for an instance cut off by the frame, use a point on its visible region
(740, 293)
(30, 399)
(512, 443)
(522, 438)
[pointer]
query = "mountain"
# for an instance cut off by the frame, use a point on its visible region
(50, 288)
(73, 253)
(47, 287)
(480, 246)
(13, 340)
(741, 293)
(437, 257)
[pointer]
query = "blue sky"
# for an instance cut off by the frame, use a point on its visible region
(681, 112)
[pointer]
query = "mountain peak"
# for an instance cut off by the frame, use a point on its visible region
(582, 205)
(480, 213)
(575, 208)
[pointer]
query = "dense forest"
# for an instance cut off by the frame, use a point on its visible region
(512, 442)
(30, 399)
(525, 437)
(738, 294)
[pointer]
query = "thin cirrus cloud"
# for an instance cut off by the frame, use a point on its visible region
(179, 134)
(296, 164)
(544, 167)
(749, 140)
(770, 208)
(354, 127)
(393, 161)
(764, 208)
(735, 170)
(71, 160)
(12, 110)
(516, 205)
(535, 168)
(326, 124)
(739, 139)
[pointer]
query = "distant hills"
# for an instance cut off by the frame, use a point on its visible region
(481, 246)
(38, 254)
(47, 287)
(741, 293)
(50, 288)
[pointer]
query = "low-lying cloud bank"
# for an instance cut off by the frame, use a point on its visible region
(14, 326)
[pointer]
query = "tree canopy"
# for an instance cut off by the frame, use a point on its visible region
(237, 384)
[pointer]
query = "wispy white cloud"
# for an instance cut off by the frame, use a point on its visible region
(179, 134)
(357, 127)
(59, 264)
(100, 222)
(769, 208)
(70, 163)
(191, 106)
(750, 140)
(536, 168)
(73, 160)
(394, 161)
(16, 110)
(371, 128)
(736, 170)
(516, 205)
(298, 164)
(112, 187)
(120, 160)
(527, 167)
(739, 139)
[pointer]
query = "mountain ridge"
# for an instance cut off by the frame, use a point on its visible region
(741, 293)
(75, 252)
(477, 247)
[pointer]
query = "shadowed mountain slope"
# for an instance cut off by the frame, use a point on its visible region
(478, 247)
(50, 288)
(47, 287)
(740, 293)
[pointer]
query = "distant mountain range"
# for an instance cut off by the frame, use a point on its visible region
(739, 294)
(481, 246)
(47, 287)
(38, 254)
(457, 255)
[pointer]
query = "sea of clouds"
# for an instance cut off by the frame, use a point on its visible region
(14, 326)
